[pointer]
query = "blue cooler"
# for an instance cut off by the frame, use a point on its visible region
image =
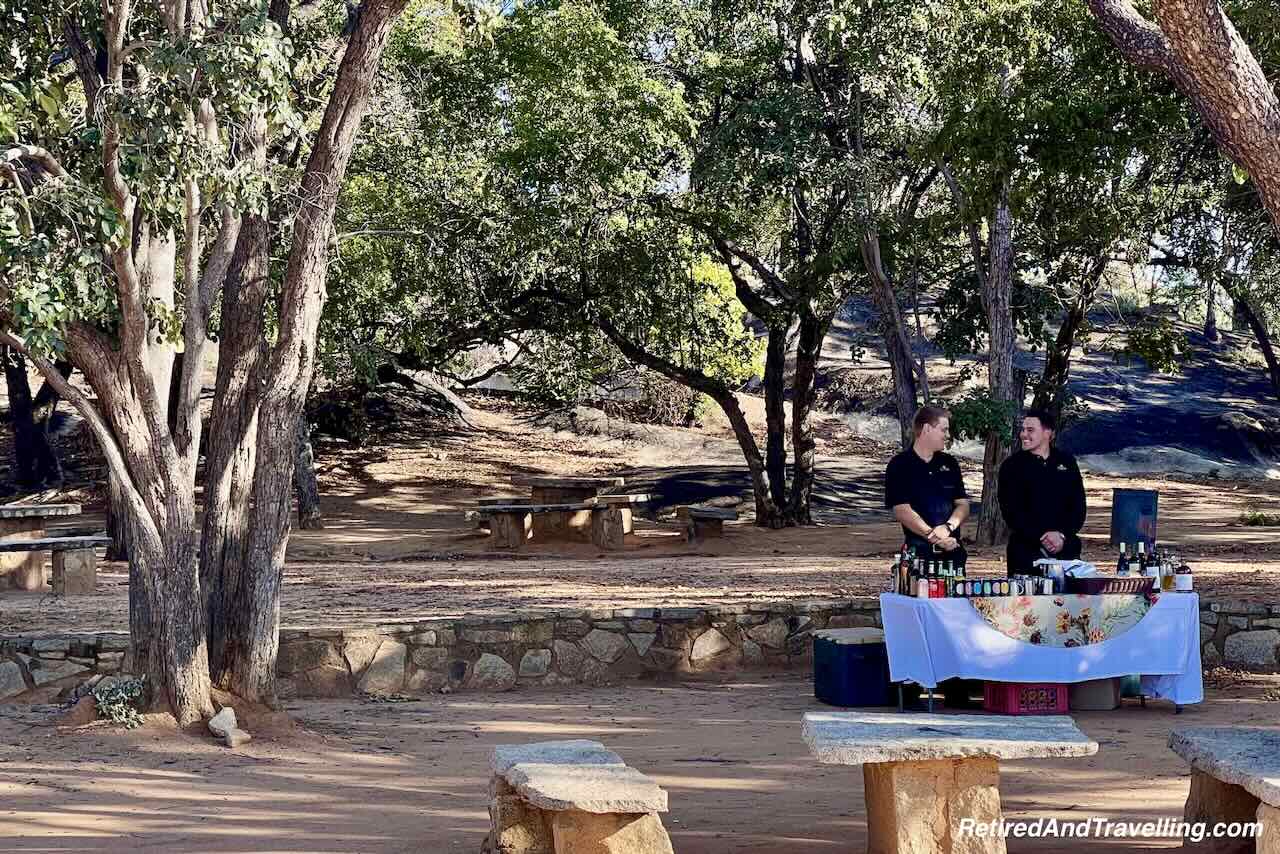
(851, 667)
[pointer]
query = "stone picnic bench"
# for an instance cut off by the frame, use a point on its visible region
(569, 509)
(572, 797)
(23, 543)
(703, 522)
(1235, 777)
(923, 774)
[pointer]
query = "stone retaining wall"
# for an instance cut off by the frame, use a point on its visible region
(568, 647)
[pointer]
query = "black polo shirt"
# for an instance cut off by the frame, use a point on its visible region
(1039, 494)
(932, 489)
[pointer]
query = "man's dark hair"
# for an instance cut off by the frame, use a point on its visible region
(1044, 416)
(929, 415)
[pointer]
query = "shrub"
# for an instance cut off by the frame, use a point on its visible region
(1255, 518)
(117, 701)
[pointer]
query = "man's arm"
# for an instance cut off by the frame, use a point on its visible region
(959, 514)
(911, 520)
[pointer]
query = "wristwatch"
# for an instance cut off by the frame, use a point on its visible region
(950, 529)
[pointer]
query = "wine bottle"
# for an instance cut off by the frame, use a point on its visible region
(1122, 565)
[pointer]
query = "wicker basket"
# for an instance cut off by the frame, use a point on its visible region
(1095, 584)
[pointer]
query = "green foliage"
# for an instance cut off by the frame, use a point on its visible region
(119, 701)
(1157, 342)
(1255, 518)
(976, 413)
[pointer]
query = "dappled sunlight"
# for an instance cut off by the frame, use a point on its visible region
(367, 776)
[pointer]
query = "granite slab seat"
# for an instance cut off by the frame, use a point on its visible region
(703, 522)
(23, 568)
(1235, 777)
(572, 797)
(922, 774)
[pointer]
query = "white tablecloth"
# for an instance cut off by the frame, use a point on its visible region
(934, 639)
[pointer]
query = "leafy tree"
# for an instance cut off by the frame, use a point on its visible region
(144, 140)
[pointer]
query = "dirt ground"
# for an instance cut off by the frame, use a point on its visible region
(396, 547)
(411, 777)
(362, 776)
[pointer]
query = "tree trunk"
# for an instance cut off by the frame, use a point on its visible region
(803, 393)
(304, 479)
(1000, 380)
(118, 524)
(894, 331)
(775, 363)
(1057, 368)
(1211, 311)
(252, 668)
(230, 458)
(1264, 342)
(35, 463)
(1240, 313)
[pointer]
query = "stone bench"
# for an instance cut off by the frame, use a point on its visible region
(1235, 777)
(923, 774)
(703, 522)
(75, 560)
(571, 797)
(25, 571)
(612, 520)
(510, 522)
(480, 517)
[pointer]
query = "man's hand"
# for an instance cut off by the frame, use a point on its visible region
(949, 543)
(938, 534)
(1053, 541)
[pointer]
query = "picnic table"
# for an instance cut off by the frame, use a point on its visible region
(25, 569)
(572, 523)
(926, 776)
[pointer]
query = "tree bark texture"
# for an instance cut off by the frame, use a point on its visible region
(151, 437)
(775, 365)
(804, 392)
(1194, 43)
(998, 290)
(304, 479)
(893, 329)
(230, 458)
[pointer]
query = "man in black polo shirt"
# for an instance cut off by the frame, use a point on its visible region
(925, 490)
(1041, 496)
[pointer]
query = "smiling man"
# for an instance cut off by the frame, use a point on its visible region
(924, 489)
(1041, 497)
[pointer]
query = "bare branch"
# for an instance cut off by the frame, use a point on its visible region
(46, 160)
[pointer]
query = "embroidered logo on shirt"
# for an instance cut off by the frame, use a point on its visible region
(1062, 466)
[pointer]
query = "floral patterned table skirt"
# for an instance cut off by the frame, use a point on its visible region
(1064, 620)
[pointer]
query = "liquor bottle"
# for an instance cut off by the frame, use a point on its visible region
(1122, 565)
(1182, 577)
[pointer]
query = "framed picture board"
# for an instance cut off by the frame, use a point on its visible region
(1133, 516)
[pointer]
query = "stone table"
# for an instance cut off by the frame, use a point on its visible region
(1235, 777)
(572, 797)
(25, 570)
(571, 525)
(923, 774)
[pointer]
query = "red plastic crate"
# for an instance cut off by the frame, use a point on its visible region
(1024, 698)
